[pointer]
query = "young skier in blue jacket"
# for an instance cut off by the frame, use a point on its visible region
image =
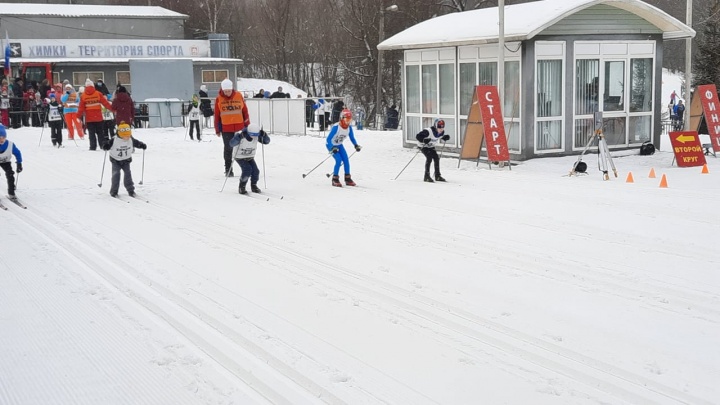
(335, 138)
(245, 145)
(7, 150)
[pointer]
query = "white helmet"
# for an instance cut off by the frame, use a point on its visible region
(254, 129)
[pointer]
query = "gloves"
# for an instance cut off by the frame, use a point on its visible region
(445, 137)
(357, 148)
(143, 146)
(335, 150)
(106, 146)
(19, 167)
(426, 141)
(247, 136)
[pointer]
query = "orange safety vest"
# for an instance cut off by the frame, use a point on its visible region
(231, 112)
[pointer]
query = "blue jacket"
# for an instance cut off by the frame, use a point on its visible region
(337, 136)
(15, 150)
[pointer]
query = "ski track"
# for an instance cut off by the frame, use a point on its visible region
(421, 310)
(448, 323)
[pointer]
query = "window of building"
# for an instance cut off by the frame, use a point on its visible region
(55, 77)
(122, 78)
(549, 104)
(412, 88)
(214, 76)
(429, 89)
(80, 77)
(615, 78)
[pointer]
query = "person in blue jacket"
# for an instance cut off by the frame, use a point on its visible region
(7, 150)
(338, 132)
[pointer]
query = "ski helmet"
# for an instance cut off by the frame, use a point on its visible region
(345, 118)
(439, 123)
(254, 129)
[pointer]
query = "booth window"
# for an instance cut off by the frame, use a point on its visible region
(214, 76)
(549, 104)
(80, 77)
(122, 78)
(412, 88)
(429, 89)
(447, 89)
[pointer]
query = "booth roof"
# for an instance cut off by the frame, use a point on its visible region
(522, 21)
(80, 10)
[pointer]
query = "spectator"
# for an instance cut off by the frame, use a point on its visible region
(91, 103)
(337, 108)
(260, 94)
(278, 94)
(205, 106)
(391, 118)
(309, 111)
(123, 106)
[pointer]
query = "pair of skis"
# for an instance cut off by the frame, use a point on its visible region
(137, 197)
(15, 200)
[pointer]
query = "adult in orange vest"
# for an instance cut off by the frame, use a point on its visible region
(91, 103)
(231, 115)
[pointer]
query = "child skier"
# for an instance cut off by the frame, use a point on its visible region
(7, 150)
(335, 138)
(194, 118)
(244, 145)
(54, 120)
(120, 149)
(427, 138)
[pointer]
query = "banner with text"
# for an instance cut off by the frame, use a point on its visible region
(711, 105)
(108, 48)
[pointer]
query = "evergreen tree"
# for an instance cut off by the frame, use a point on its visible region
(707, 60)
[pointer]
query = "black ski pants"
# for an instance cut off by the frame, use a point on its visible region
(227, 150)
(431, 155)
(10, 175)
(195, 124)
(56, 132)
(96, 131)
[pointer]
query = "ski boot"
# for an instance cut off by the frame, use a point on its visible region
(254, 188)
(427, 178)
(438, 177)
(241, 189)
(336, 181)
(132, 194)
(349, 181)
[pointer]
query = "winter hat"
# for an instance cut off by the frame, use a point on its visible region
(226, 84)
(52, 95)
(69, 87)
(81, 89)
(89, 83)
(203, 88)
(122, 89)
(3, 132)
(124, 131)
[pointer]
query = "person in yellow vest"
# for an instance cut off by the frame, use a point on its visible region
(91, 103)
(231, 116)
(120, 149)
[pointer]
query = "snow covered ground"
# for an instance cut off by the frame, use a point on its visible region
(512, 287)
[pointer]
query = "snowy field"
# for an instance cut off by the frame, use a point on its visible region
(498, 287)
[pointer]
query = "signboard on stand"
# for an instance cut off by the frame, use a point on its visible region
(687, 148)
(711, 111)
(485, 125)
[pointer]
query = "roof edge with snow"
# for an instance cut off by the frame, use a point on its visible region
(522, 22)
(82, 10)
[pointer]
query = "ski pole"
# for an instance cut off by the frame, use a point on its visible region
(408, 164)
(442, 149)
(142, 172)
(41, 134)
(227, 174)
(262, 147)
(341, 163)
(103, 170)
(313, 169)
(17, 180)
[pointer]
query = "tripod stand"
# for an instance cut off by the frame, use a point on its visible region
(604, 157)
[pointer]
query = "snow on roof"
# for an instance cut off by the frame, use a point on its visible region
(199, 60)
(522, 21)
(80, 10)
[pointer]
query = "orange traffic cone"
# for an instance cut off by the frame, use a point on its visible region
(652, 173)
(629, 178)
(663, 182)
(705, 169)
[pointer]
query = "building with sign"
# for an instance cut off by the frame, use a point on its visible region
(142, 48)
(563, 61)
